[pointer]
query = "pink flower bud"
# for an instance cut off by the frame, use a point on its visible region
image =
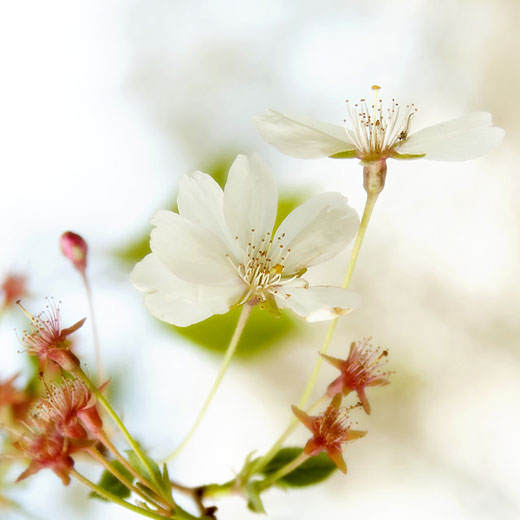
(75, 249)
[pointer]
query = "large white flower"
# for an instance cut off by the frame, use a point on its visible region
(373, 133)
(220, 249)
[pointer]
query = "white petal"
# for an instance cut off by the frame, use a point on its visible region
(190, 251)
(314, 232)
(201, 200)
(250, 200)
(175, 301)
(317, 303)
(467, 137)
(300, 137)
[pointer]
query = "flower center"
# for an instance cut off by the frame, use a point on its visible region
(258, 271)
(332, 428)
(375, 131)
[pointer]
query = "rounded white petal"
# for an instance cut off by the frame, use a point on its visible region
(250, 200)
(317, 303)
(175, 301)
(300, 137)
(190, 251)
(201, 200)
(314, 232)
(461, 139)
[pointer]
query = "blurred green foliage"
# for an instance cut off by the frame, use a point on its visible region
(262, 330)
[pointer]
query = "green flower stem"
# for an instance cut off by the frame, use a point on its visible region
(106, 405)
(94, 453)
(113, 498)
(369, 206)
(372, 195)
(244, 315)
(298, 461)
(217, 490)
(100, 372)
(104, 439)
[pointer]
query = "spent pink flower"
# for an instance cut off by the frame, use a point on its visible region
(71, 407)
(47, 448)
(330, 431)
(13, 288)
(48, 340)
(362, 368)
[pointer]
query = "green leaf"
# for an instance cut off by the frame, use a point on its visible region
(312, 471)
(254, 502)
(110, 483)
(156, 476)
(166, 481)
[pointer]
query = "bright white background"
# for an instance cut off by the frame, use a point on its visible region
(105, 105)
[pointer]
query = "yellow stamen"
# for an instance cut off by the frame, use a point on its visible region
(277, 269)
(376, 89)
(26, 312)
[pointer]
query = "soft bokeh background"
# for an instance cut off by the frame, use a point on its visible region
(105, 105)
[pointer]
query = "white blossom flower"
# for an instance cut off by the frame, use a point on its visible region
(373, 134)
(220, 249)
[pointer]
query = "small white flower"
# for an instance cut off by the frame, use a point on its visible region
(220, 249)
(373, 133)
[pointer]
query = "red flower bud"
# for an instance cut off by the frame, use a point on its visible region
(75, 249)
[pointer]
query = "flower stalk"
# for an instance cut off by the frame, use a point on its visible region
(108, 408)
(100, 371)
(94, 453)
(373, 187)
(113, 498)
(242, 320)
(374, 184)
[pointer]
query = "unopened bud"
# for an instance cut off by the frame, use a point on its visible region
(75, 249)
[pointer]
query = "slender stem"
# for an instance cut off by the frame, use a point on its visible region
(195, 493)
(94, 453)
(113, 498)
(369, 206)
(244, 315)
(118, 422)
(367, 212)
(284, 470)
(104, 439)
(100, 372)
(263, 461)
